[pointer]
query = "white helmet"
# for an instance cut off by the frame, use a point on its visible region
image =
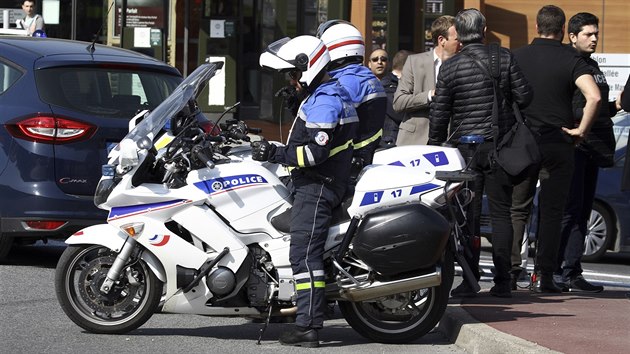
(342, 39)
(306, 54)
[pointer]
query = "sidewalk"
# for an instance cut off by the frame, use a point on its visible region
(540, 323)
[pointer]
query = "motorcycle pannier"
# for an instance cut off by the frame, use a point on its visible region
(401, 238)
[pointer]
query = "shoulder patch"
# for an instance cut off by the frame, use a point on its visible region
(321, 138)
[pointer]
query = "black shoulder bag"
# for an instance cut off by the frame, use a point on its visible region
(517, 149)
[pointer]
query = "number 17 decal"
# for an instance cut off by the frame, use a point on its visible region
(415, 162)
(397, 193)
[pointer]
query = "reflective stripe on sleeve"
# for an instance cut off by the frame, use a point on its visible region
(299, 152)
(371, 96)
(309, 156)
(340, 148)
(368, 141)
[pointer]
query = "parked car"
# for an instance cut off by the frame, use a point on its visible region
(65, 104)
(609, 222)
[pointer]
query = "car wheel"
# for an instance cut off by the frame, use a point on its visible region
(599, 233)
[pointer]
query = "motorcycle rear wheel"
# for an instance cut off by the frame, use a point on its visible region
(403, 317)
(131, 302)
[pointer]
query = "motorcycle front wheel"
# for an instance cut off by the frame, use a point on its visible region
(130, 303)
(403, 317)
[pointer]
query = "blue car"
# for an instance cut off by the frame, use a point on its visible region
(609, 222)
(65, 104)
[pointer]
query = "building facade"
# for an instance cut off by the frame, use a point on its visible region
(185, 33)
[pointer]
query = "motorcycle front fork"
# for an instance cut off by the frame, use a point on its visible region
(114, 272)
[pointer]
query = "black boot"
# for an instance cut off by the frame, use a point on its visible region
(545, 284)
(300, 337)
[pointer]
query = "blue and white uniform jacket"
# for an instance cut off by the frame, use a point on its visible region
(321, 137)
(370, 100)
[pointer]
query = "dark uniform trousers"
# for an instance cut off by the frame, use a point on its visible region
(311, 215)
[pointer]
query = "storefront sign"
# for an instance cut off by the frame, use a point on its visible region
(140, 13)
(616, 68)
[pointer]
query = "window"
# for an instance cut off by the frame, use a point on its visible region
(8, 76)
(104, 91)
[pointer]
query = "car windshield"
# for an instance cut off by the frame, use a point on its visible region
(186, 91)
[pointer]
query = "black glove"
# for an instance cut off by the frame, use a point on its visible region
(262, 149)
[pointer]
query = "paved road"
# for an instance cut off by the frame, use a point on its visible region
(31, 321)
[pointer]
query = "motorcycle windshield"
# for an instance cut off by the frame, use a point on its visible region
(186, 91)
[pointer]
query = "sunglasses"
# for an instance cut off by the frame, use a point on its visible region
(375, 59)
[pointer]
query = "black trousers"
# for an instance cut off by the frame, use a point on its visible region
(311, 215)
(576, 215)
(522, 201)
(555, 175)
(498, 187)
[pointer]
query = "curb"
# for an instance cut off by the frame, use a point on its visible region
(463, 330)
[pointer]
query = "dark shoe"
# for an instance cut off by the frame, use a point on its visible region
(579, 284)
(545, 284)
(300, 337)
(501, 290)
(463, 290)
(513, 280)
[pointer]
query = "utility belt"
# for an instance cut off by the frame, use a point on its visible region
(312, 174)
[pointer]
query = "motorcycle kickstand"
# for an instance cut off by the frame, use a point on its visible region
(265, 324)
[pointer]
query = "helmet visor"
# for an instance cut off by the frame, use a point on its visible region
(274, 47)
(323, 27)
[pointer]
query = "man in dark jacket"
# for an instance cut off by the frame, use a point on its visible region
(463, 101)
(596, 151)
(390, 83)
(554, 71)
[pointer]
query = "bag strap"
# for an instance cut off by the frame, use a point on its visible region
(493, 71)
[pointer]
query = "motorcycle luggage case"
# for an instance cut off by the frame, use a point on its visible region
(401, 238)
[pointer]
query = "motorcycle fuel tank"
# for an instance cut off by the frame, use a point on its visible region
(401, 238)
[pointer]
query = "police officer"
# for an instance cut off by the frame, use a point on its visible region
(320, 150)
(347, 49)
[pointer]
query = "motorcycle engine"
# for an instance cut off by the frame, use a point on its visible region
(221, 282)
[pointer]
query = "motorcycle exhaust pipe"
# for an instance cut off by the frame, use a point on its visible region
(379, 289)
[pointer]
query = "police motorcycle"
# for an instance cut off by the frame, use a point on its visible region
(189, 231)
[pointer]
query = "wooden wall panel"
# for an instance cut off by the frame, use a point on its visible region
(513, 22)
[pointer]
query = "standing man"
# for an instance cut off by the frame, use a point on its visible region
(32, 21)
(554, 71)
(463, 105)
(596, 151)
(417, 85)
(320, 150)
(378, 63)
(390, 83)
(347, 49)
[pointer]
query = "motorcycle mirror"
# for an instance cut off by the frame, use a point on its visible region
(137, 119)
(128, 154)
(145, 143)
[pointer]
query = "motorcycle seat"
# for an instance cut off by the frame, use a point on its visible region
(282, 221)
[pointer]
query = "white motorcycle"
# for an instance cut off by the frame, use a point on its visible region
(193, 227)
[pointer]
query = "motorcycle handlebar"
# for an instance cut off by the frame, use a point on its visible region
(236, 134)
(202, 156)
(214, 139)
